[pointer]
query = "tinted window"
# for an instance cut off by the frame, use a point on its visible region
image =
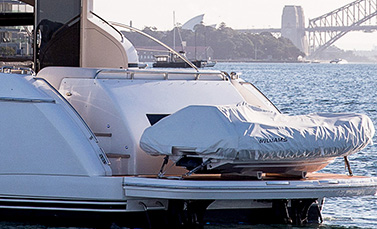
(154, 118)
(58, 33)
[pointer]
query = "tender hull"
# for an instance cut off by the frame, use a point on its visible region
(274, 168)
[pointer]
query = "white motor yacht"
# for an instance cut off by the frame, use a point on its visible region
(151, 148)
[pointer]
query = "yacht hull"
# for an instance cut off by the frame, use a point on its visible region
(144, 201)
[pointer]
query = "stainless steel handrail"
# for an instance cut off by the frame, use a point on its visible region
(109, 24)
(133, 72)
(14, 69)
(26, 100)
(248, 83)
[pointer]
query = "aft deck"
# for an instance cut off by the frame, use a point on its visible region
(215, 187)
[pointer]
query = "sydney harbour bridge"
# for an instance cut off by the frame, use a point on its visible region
(325, 30)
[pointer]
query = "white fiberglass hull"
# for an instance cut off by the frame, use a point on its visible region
(124, 194)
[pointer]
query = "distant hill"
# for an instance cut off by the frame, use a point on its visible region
(226, 43)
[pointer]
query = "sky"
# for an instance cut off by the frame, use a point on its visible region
(237, 14)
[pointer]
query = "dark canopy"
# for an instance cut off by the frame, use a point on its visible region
(30, 2)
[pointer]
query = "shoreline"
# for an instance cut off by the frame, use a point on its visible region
(264, 61)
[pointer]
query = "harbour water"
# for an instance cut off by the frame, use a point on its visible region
(309, 88)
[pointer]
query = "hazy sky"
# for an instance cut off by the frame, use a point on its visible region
(238, 14)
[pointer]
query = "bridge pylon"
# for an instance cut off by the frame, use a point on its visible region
(293, 27)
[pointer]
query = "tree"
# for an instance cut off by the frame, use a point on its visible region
(228, 44)
(7, 51)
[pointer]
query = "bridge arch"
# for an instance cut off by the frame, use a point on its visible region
(323, 31)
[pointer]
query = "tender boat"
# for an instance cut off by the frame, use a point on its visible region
(75, 140)
(173, 61)
(244, 139)
(338, 61)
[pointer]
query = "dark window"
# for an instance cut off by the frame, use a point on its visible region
(154, 118)
(58, 33)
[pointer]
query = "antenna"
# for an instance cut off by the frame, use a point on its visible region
(174, 26)
(157, 41)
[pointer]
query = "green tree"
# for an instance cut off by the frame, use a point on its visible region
(228, 44)
(7, 51)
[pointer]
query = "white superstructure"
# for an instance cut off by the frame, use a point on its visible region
(116, 104)
(99, 39)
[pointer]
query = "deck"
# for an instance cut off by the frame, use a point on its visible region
(214, 187)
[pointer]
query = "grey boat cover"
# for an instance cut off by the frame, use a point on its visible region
(243, 132)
